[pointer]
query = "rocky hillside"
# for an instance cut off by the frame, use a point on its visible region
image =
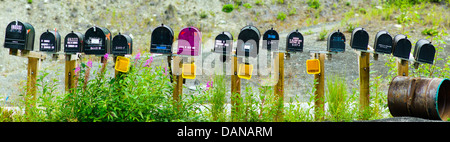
(138, 18)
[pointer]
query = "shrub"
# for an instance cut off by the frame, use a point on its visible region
(314, 4)
(281, 16)
(227, 8)
(323, 35)
(247, 5)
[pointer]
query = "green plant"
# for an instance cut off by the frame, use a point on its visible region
(259, 2)
(203, 14)
(280, 1)
(323, 35)
(247, 5)
(313, 4)
(227, 8)
(430, 31)
(338, 99)
(347, 3)
(351, 26)
(216, 92)
(281, 16)
(30, 1)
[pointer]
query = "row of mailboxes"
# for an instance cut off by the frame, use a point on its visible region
(96, 40)
(399, 46)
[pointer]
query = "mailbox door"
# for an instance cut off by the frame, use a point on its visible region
(270, 40)
(294, 42)
(359, 39)
(248, 42)
(189, 41)
(97, 41)
(73, 42)
(401, 47)
(223, 43)
(336, 42)
(19, 35)
(122, 45)
(383, 42)
(50, 41)
(162, 39)
(424, 51)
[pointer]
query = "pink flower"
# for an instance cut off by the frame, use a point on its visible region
(165, 70)
(138, 56)
(89, 63)
(149, 61)
(209, 85)
(77, 69)
(106, 56)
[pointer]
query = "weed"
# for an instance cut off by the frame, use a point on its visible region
(259, 2)
(281, 16)
(430, 31)
(313, 4)
(322, 35)
(247, 5)
(203, 14)
(227, 8)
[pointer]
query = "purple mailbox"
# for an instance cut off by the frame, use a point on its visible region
(189, 41)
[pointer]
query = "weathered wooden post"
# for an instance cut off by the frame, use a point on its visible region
(73, 47)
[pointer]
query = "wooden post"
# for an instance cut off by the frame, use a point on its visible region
(364, 69)
(32, 71)
(279, 87)
(235, 87)
(178, 80)
(319, 108)
(403, 67)
(69, 72)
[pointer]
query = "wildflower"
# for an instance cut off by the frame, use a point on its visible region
(138, 56)
(89, 64)
(106, 56)
(149, 61)
(165, 70)
(209, 85)
(77, 69)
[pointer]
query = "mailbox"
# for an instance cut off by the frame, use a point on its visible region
(245, 71)
(189, 41)
(383, 43)
(424, 51)
(223, 43)
(19, 35)
(50, 41)
(97, 40)
(122, 44)
(336, 42)
(359, 39)
(73, 42)
(401, 47)
(270, 40)
(294, 42)
(248, 42)
(162, 39)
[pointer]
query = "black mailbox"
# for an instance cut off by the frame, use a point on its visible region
(50, 41)
(359, 39)
(122, 44)
(248, 41)
(270, 40)
(336, 42)
(401, 47)
(223, 43)
(424, 51)
(97, 40)
(73, 42)
(162, 39)
(383, 43)
(294, 42)
(19, 35)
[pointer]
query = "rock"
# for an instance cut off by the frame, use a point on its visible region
(398, 26)
(28, 6)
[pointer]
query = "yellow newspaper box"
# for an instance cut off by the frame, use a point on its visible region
(122, 64)
(245, 71)
(313, 66)
(188, 71)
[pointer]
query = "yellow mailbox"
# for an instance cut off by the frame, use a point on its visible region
(188, 71)
(245, 71)
(122, 64)
(313, 66)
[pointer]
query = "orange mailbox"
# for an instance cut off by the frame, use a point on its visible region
(313, 66)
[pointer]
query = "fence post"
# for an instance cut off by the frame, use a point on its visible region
(235, 87)
(403, 68)
(319, 108)
(364, 70)
(69, 72)
(279, 87)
